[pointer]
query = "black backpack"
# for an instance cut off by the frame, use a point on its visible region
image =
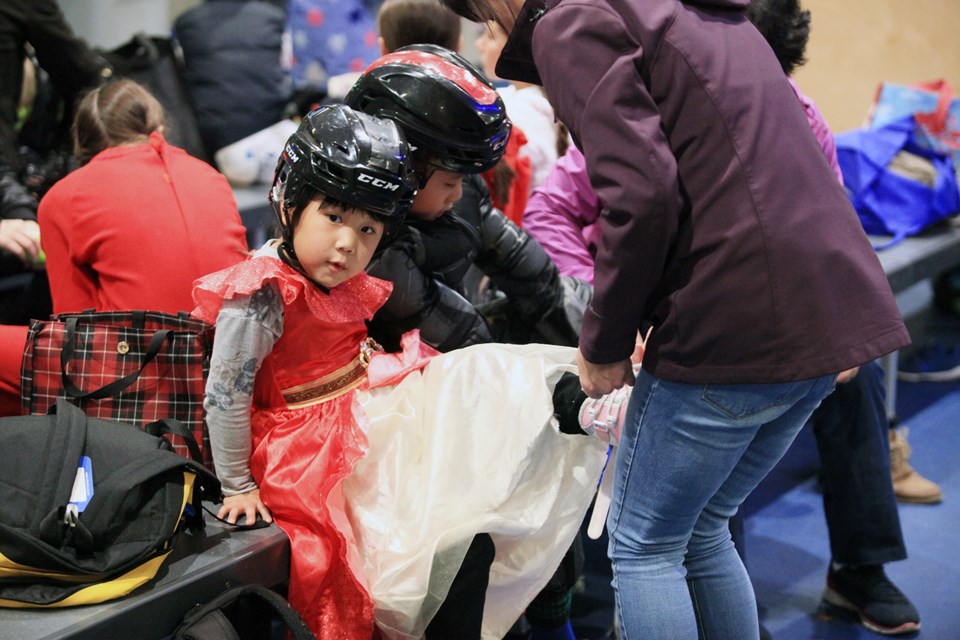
(156, 62)
(220, 619)
(57, 550)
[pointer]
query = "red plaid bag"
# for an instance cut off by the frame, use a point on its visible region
(129, 366)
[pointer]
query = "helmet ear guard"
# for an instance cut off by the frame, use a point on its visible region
(449, 112)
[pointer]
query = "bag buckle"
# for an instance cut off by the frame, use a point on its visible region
(368, 347)
(71, 515)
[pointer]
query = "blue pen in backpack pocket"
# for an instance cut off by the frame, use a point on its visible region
(82, 485)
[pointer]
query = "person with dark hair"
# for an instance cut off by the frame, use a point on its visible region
(723, 229)
(428, 22)
(787, 28)
(72, 67)
(20, 252)
(34, 34)
(408, 22)
(140, 220)
(457, 123)
(404, 22)
(382, 468)
(850, 425)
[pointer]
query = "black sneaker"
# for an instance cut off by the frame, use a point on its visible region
(868, 592)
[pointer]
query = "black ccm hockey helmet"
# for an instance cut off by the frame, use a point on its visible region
(359, 160)
(449, 112)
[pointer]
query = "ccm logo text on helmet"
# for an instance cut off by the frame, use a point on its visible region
(377, 182)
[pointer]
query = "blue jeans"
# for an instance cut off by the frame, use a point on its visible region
(852, 433)
(689, 455)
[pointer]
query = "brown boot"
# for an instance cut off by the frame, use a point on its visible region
(908, 485)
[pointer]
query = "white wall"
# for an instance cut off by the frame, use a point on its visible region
(108, 23)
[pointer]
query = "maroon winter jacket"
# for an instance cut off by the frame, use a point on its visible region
(724, 226)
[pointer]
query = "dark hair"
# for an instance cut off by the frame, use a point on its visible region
(120, 112)
(309, 194)
(404, 22)
(474, 10)
(786, 28)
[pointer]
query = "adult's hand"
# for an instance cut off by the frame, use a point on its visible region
(600, 379)
(848, 375)
(21, 238)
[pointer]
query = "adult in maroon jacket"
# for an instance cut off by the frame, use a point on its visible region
(725, 229)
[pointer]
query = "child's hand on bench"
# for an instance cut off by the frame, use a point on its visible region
(244, 504)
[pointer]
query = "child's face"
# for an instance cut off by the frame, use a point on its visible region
(489, 44)
(442, 191)
(333, 245)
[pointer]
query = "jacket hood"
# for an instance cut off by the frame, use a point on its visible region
(516, 58)
(720, 4)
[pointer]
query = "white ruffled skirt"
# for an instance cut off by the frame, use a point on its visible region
(468, 445)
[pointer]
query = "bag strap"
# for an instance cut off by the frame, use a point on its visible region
(115, 387)
(206, 486)
(208, 622)
(896, 239)
(67, 437)
(174, 427)
(207, 483)
(113, 490)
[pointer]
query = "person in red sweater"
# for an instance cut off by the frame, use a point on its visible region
(140, 220)
(134, 226)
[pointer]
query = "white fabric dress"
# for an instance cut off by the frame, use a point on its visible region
(461, 448)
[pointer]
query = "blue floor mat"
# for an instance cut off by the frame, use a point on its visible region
(788, 548)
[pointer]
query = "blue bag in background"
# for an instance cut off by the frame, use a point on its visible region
(897, 186)
(935, 109)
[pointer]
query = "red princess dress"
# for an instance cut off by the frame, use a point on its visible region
(382, 467)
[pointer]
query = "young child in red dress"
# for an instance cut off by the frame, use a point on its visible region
(381, 468)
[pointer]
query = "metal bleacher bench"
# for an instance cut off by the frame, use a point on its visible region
(200, 567)
(915, 259)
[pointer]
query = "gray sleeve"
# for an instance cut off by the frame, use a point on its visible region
(247, 329)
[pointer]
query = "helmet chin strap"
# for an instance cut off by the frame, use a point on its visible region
(424, 170)
(285, 251)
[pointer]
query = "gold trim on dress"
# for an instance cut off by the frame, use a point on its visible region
(333, 384)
